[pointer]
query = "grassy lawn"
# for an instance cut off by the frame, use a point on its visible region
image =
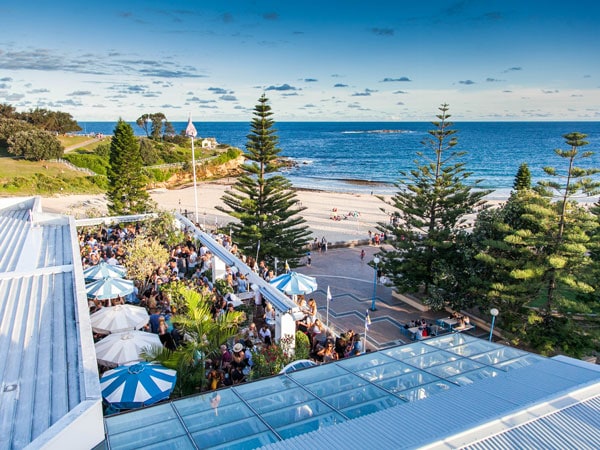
(67, 141)
(20, 177)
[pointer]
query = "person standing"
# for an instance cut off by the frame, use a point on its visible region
(362, 254)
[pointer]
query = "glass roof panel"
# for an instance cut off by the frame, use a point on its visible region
(365, 361)
(408, 351)
(255, 441)
(211, 409)
(354, 397)
(217, 416)
(153, 433)
(363, 409)
(499, 355)
(334, 385)
(424, 391)
(178, 443)
(322, 372)
(266, 387)
(407, 381)
(472, 348)
(454, 368)
(296, 413)
(228, 432)
(384, 371)
(278, 400)
(523, 361)
(450, 340)
(467, 378)
(431, 359)
(310, 424)
(141, 418)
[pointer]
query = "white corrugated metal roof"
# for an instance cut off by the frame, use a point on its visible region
(48, 375)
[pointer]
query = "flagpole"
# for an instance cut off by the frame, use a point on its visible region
(327, 324)
(328, 299)
(191, 132)
(195, 186)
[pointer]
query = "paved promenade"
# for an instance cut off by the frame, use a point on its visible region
(351, 282)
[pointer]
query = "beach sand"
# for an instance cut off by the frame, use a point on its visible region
(319, 209)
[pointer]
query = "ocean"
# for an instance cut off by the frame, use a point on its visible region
(367, 156)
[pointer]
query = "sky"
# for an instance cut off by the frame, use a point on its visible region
(394, 60)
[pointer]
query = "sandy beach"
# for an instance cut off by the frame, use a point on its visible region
(319, 209)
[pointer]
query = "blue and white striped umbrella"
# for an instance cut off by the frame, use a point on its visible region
(137, 385)
(104, 270)
(108, 288)
(294, 283)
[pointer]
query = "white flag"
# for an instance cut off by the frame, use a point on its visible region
(329, 297)
(190, 130)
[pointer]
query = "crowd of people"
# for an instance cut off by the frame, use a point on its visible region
(191, 263)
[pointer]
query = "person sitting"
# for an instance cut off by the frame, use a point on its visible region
(328, 353)
(265, 333)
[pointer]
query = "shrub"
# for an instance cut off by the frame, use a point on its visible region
(92, 161)
(35, 145)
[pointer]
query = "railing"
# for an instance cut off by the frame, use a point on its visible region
(74, 167)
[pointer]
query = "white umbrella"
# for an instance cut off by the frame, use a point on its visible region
(294, 283)
(115, 319)
(122, 348)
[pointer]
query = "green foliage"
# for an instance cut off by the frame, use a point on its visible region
(550, 335)
(94, 162)
(270, 360)
(523, 178)
(35, 145)
(150, 154)
(431, 204)
(205, 336)
(165, 228)
(42, 184)
(158, 175)
(126, 193)
(223, 287)
(144, 255)
(263, 202)
(154, 125)
(51, 121)
(302, 350)
(231, 154)
(11, 126)
(103, 151)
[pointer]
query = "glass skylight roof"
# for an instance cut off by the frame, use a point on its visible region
(254, 414)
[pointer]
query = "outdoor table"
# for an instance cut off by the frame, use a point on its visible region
(413, 332)
(447, 323)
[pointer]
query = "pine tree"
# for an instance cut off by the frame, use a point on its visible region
(126, 191)
(430, 208)
(523, 178)
(264, 202)
(566, 247)
(538, 250)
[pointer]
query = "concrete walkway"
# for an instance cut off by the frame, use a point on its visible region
(351, 282)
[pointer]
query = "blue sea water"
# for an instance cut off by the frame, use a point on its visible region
(342, 156)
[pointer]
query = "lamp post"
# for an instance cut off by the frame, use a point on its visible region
(494, 312)
(375, 261)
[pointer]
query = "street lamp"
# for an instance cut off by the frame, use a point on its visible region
(375, 261)
(494, 312)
